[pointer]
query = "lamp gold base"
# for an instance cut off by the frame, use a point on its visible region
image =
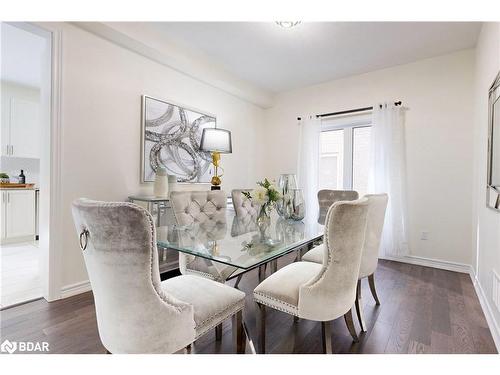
(216, 181)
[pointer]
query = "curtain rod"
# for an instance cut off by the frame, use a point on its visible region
(349, 111)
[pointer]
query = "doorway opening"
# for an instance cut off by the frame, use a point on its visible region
(24, 160)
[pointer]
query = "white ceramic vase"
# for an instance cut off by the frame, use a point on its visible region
(160, 188)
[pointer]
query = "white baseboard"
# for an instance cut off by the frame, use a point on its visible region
(462, 268)
(487, 310)
(74, 289)
(16, 240)
(434, 263)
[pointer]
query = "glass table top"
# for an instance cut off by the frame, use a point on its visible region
(240, 241)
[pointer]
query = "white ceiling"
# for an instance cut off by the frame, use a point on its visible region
(278, 59)
(21, 56)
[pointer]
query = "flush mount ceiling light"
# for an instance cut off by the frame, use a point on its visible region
(287, 24)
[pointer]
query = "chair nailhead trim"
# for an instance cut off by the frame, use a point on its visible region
(294, 310)
(220, 317)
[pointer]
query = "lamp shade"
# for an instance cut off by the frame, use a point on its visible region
(216, 140)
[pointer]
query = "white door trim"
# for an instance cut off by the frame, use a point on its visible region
(51, 211)
(56, 212)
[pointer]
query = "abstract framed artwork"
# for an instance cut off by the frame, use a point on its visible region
(493, 178)
(171, 135)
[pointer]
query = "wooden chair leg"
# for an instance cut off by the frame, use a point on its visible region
(274, 266)
(238, 334)
(359, 307)
(371, 282)
(262, 273)
(350, 325)
(218, 332)
(238, 279)
(298, 255)
(326, 333)
(262, 328)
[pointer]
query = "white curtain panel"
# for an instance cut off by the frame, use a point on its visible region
(388, 175)
(308, 164)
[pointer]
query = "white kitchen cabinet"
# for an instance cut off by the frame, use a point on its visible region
(5, 131)
(21, 130)
(3, 209)
(18, 215)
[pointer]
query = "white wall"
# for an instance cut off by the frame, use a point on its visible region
(439, 95)
(102, 85)
(487, 221)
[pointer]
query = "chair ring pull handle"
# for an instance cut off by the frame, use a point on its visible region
(84, 235)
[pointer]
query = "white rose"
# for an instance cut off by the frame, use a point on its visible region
(259, 195)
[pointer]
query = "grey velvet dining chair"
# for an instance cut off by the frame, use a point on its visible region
(136, 312)
(321, 292)
(328, 197)
(377, 204)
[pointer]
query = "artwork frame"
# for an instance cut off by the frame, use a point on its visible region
(170, 136)
(493, 167)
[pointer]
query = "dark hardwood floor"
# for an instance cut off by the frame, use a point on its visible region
(423, 310)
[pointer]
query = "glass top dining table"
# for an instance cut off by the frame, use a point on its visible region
(240, 242)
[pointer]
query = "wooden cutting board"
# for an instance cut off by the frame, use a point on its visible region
(16, 186)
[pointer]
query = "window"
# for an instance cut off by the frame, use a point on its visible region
(344, 161)
(331, 161)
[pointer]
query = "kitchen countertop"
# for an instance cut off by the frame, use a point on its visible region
(30, 188)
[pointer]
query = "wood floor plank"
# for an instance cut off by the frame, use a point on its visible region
(422, 326)
(441, 343)
(423, 310)
(461, 333)
(376, 339)
(440, 311)
(416, 347)
(401, 330)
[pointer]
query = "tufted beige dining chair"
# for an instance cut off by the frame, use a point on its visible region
(321, 292)
(244, 207)
(328, 197)
(136, 312)
(207, 209)
(377, 206)
(245, 221)
(246, 211)
(325, 199)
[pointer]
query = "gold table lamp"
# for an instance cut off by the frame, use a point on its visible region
(217, 141)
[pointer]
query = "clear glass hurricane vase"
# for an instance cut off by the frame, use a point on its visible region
(286, 183)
